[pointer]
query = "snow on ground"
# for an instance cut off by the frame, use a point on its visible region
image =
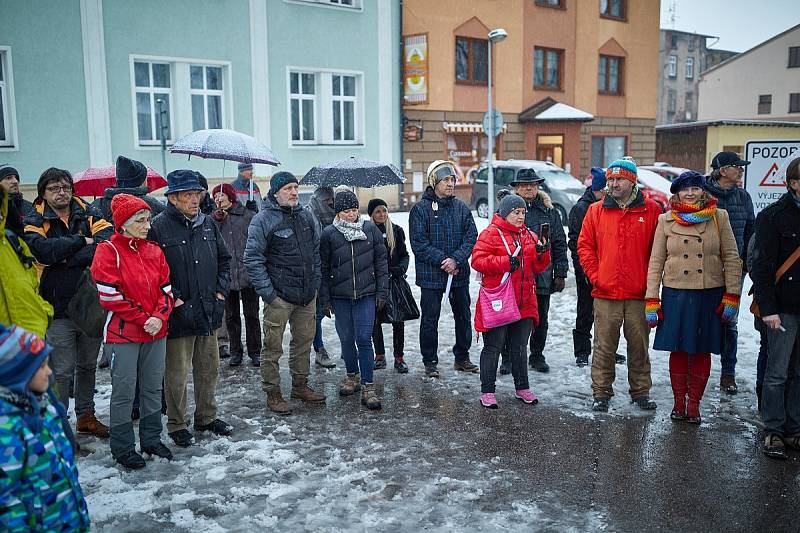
(340, 467)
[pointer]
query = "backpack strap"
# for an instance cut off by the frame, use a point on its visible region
(14, 240)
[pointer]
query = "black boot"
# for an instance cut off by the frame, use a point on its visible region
(236, 360)
(538, 363)
(131, 460)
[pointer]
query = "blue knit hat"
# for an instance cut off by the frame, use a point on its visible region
(21, 355)
(622, 168)
(690, 178)
(598, 179)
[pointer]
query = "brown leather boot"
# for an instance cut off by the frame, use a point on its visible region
(350, 385)
(89, 424)
(276, 403)
(301, 391)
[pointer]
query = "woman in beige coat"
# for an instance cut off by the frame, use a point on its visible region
(695, 257)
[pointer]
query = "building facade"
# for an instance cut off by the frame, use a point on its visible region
(269, 68)
(683, 56)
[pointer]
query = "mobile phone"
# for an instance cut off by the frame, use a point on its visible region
(544, 231)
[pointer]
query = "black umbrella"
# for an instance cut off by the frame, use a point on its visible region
(354, 173)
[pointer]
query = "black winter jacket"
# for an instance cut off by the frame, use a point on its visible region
(398, 260)
(103, 204)
(282, 253)
(353, 269)
(199, 268)
(739, 205)
(233, 226)
(778, 230)
(63, 249)
(576, 216)
(540, 211)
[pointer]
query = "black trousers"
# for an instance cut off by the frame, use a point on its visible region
(431, 308)
(513, 338)
(398, 338)
(539, 334)
(582, 334)
(233, 320)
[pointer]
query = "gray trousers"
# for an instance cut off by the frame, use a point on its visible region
(780, 396)
(201, 355)
(74, 354)
(129, 361)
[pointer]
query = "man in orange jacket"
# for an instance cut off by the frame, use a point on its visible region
(614, 250)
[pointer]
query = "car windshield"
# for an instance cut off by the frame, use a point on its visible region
(559, 179)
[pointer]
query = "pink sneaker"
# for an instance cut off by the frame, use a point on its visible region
(527, 396)
(489, 401)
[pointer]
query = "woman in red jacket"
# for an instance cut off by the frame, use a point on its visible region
(508, 246)
(132, 279)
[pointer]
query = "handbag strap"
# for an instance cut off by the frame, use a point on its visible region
(787, 264)
(508, 249)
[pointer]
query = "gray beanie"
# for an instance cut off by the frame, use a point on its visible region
(509, 203)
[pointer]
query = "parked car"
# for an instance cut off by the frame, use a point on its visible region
(562, 187)
(652, 186)
(669, 173)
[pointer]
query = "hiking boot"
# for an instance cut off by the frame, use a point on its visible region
(225, 352)
(255, 360)
(131, 460)
(727, 383)
(217, 427)
(466, 366)
(182, 438)
(369, 397)
(538, 363)
(489, 400)
(159, 450)
(276, 403)
(644, 403)
(527, 396)
(350, 385)
(619, 359)
(600, 405)
(236, 360)
(773, 447)
(380, 362)
(323, 359)
(431, 371)
(400, 365)
(581, 361)
(505, 368)
(301, 391)
(87, 423)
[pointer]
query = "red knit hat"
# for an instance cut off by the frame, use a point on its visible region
(124, 206)
(227, 189)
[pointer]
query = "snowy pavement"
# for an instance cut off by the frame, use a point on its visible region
(434, 460)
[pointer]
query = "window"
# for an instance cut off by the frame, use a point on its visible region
(688, 105)
(354, 4)
(613, 9)
(610, 78)
(472, 61)
(794, 102)
(302, 101)
(7, 138)
(325, 107)
(607, 149)
(764, 104)
(689, 68)
(547, 68)
(207, 96)
(153, 95)
(343, 99)
(673, 66)
(673, 39)
(671, 98)
(794, 56)
(550, 3)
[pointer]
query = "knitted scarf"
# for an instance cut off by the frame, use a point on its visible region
(352, 231)
(691, 214)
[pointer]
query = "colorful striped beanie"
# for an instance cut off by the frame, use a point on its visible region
(622, 169)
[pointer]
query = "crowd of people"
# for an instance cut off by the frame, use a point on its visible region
(173, 279)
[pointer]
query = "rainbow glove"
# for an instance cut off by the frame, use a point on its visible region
(652, 311)
(728, 308)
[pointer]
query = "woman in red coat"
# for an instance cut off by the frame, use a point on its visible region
(132, 280)
(508, 246)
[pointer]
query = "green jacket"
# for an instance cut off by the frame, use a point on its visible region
(20, 302)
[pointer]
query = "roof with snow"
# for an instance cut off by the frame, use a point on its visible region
(554, 111)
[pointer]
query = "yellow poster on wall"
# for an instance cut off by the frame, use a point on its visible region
(415, 55)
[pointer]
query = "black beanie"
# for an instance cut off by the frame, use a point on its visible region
(345, 200)
(8, 171)
(281, 180)
(130, 173)
(375, 202)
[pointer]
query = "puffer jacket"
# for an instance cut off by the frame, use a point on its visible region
(576, 216)
(614, 247)
(540, 211)
(282, 253)
(491, 259)
(103, 204)
(233, 225)
(739, 205)
(353, 269)
(39, 488)
(62, 247)
(132, 280)
(199, 266)
(436, 234)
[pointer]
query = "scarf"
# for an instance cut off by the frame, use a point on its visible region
(352, 231)
(691, 214)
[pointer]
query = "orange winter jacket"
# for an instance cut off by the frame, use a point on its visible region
(614, 247)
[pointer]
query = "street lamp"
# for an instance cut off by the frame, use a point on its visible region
(495, 36)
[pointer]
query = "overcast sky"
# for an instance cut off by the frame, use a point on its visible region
(739, 24)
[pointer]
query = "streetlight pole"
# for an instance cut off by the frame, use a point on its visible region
(162, 127)
(495, 36)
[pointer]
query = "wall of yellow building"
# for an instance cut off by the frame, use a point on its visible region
(718, 137)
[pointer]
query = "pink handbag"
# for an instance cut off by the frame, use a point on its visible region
(499, 305)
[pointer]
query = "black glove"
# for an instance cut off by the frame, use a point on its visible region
(251, 205)
(514, 263)
(380, 303)
(542, 248)
(558, 284)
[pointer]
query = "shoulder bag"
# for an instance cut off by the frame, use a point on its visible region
(499, 305)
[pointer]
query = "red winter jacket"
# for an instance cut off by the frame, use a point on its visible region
(614, 247)
(490, 258)
(133, 284)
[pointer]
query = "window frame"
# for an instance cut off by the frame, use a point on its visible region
(470, 74)
(764, 102)
(593, 136)
(672, 101)
(358, 5)
(559, 70)
(796, 97)
(672, 66)
(607, 15)
(794, 54)
(620, 75)
(152, 91)
(689, 68)
(10, 143)
(545, 3)
(300, 97)
(341, 99)
(206, 92)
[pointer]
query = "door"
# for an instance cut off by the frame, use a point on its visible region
(550, 148)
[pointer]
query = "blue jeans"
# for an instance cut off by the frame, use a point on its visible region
(318, 344)
(780, 397)
(730, 338)
(354, 321)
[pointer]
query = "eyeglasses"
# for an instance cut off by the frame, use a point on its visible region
(54, 189)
